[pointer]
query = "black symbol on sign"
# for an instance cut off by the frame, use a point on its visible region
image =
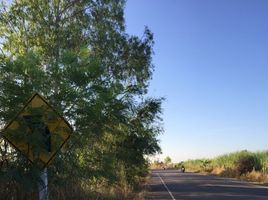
(35, 124)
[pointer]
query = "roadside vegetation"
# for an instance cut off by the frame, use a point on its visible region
(246, 165)
(166, 164)
(78, 55)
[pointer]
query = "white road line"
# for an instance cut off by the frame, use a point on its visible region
(166, 187)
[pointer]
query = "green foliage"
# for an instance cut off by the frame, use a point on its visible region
(167, 160)
(194, 165)
(179, 165)
(78, 56)
(240, 162)
(245, 164)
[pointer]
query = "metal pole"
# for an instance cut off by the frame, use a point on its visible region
(43, 186)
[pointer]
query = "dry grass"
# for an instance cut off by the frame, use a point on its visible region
(76, 190)
(256, 176)
(142, 192)
(225, 172)
(217, 170)
(245, 165)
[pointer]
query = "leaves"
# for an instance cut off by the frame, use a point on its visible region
(77, 55)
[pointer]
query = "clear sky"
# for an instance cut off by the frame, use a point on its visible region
(211, 65)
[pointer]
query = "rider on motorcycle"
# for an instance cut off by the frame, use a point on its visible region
(182, 169)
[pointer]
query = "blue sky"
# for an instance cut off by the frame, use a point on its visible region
(211, 65)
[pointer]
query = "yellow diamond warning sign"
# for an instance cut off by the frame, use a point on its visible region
(38, 131)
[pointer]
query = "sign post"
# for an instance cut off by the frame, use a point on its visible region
(38, 132)
(43, 185)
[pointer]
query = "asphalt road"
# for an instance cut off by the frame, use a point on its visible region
(174, 185)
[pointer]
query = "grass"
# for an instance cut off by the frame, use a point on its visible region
(83, 190)
(245, 165)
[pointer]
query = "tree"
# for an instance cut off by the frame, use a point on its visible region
(167, 160)
(78, 55)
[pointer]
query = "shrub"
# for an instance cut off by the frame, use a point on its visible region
(245, 164)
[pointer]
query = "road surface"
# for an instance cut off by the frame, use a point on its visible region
(174, 185)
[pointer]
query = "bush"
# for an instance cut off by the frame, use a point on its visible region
(245, 164)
